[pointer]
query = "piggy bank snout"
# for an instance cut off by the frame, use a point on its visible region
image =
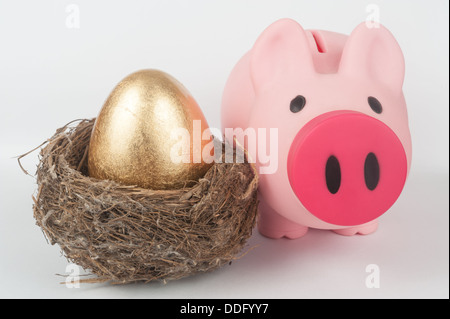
(347, 168)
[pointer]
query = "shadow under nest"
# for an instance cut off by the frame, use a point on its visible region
(124, 234)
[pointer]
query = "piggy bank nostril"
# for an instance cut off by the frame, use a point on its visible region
(333, 174)
(371, 171)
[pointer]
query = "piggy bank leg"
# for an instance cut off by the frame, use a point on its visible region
(273, 225)
(363, 229)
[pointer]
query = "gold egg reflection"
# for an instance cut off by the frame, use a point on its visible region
(150, 133)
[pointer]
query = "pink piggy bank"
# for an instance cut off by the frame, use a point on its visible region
(338, 124)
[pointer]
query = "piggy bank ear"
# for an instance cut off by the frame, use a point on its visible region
(375, 54)
(281, 51)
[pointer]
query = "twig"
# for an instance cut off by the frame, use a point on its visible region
(27, 153)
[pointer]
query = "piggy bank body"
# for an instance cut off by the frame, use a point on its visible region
(324, 118)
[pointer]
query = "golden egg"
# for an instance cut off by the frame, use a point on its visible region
(140, 136)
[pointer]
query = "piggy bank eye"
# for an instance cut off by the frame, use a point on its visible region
(375, 105)
(298, 103)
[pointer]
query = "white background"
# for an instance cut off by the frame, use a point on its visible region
(51, 74)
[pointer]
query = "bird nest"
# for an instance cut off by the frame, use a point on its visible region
(124, 234)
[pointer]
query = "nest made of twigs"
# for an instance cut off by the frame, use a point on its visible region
(126, 234)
